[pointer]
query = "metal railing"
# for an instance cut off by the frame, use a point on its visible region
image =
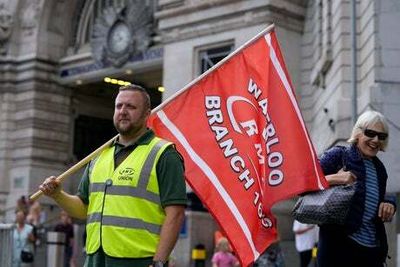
(6, 244)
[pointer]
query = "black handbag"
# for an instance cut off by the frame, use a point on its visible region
(26, 256)
(325, 207)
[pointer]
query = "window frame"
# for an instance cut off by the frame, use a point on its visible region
(204, 48)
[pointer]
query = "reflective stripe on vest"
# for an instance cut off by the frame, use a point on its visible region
(124, 222)
(124, 213)
(125, 191)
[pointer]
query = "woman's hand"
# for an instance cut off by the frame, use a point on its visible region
(341, 177)
(386, 211)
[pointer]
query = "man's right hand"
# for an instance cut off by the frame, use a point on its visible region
(50, 187)
(72, 204)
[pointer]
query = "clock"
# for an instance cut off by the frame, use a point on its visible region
(119, 38)
(120, 32)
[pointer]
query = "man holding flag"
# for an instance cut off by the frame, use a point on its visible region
(244, 142)
(132, 195)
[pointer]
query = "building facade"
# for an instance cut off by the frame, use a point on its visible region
(61, 62)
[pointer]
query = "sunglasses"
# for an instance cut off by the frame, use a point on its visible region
(371, 134)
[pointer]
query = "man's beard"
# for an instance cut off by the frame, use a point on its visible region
(128, 130)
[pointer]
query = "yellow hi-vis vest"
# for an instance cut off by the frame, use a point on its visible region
(124, 212)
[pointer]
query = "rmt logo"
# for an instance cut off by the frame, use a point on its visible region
(126, 174)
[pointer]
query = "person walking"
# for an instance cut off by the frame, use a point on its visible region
(133, 195)
(306, 237)
(23, 240)
(361, 241)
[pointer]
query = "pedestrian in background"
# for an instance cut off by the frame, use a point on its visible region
(133, 194)
(34, 214)
(23, 240)
(361, 241)
(217, 236)
(22, 204)
(65, 226)
(222, 256)
(306, 237)
(34, 218)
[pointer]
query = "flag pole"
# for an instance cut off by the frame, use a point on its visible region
(77, 166)
(263, 32)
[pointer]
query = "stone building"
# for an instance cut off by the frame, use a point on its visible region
(60, 60)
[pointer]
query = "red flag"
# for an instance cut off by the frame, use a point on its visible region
(244, 142)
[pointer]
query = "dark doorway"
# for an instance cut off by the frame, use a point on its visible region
(90, 133)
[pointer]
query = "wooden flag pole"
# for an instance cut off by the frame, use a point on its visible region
(77, 166)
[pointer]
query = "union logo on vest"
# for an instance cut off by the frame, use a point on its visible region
(126, 174)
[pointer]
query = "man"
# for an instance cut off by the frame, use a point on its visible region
(65, 226)
(133, 194)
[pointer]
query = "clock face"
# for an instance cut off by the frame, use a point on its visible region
(119, 38)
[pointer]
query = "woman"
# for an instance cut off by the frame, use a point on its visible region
(23, 239)
(361, 241)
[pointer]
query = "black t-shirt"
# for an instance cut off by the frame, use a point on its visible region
(67, 229)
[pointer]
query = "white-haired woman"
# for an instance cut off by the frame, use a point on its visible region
(361, 241)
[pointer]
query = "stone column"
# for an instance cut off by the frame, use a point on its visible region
(39, 144)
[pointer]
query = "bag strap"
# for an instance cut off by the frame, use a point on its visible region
(343, 155)
(344, 158)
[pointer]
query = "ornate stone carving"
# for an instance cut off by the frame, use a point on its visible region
(6, 23)
(30, 16)
(121, 32)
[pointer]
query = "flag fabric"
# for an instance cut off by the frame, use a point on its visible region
(244, 142)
